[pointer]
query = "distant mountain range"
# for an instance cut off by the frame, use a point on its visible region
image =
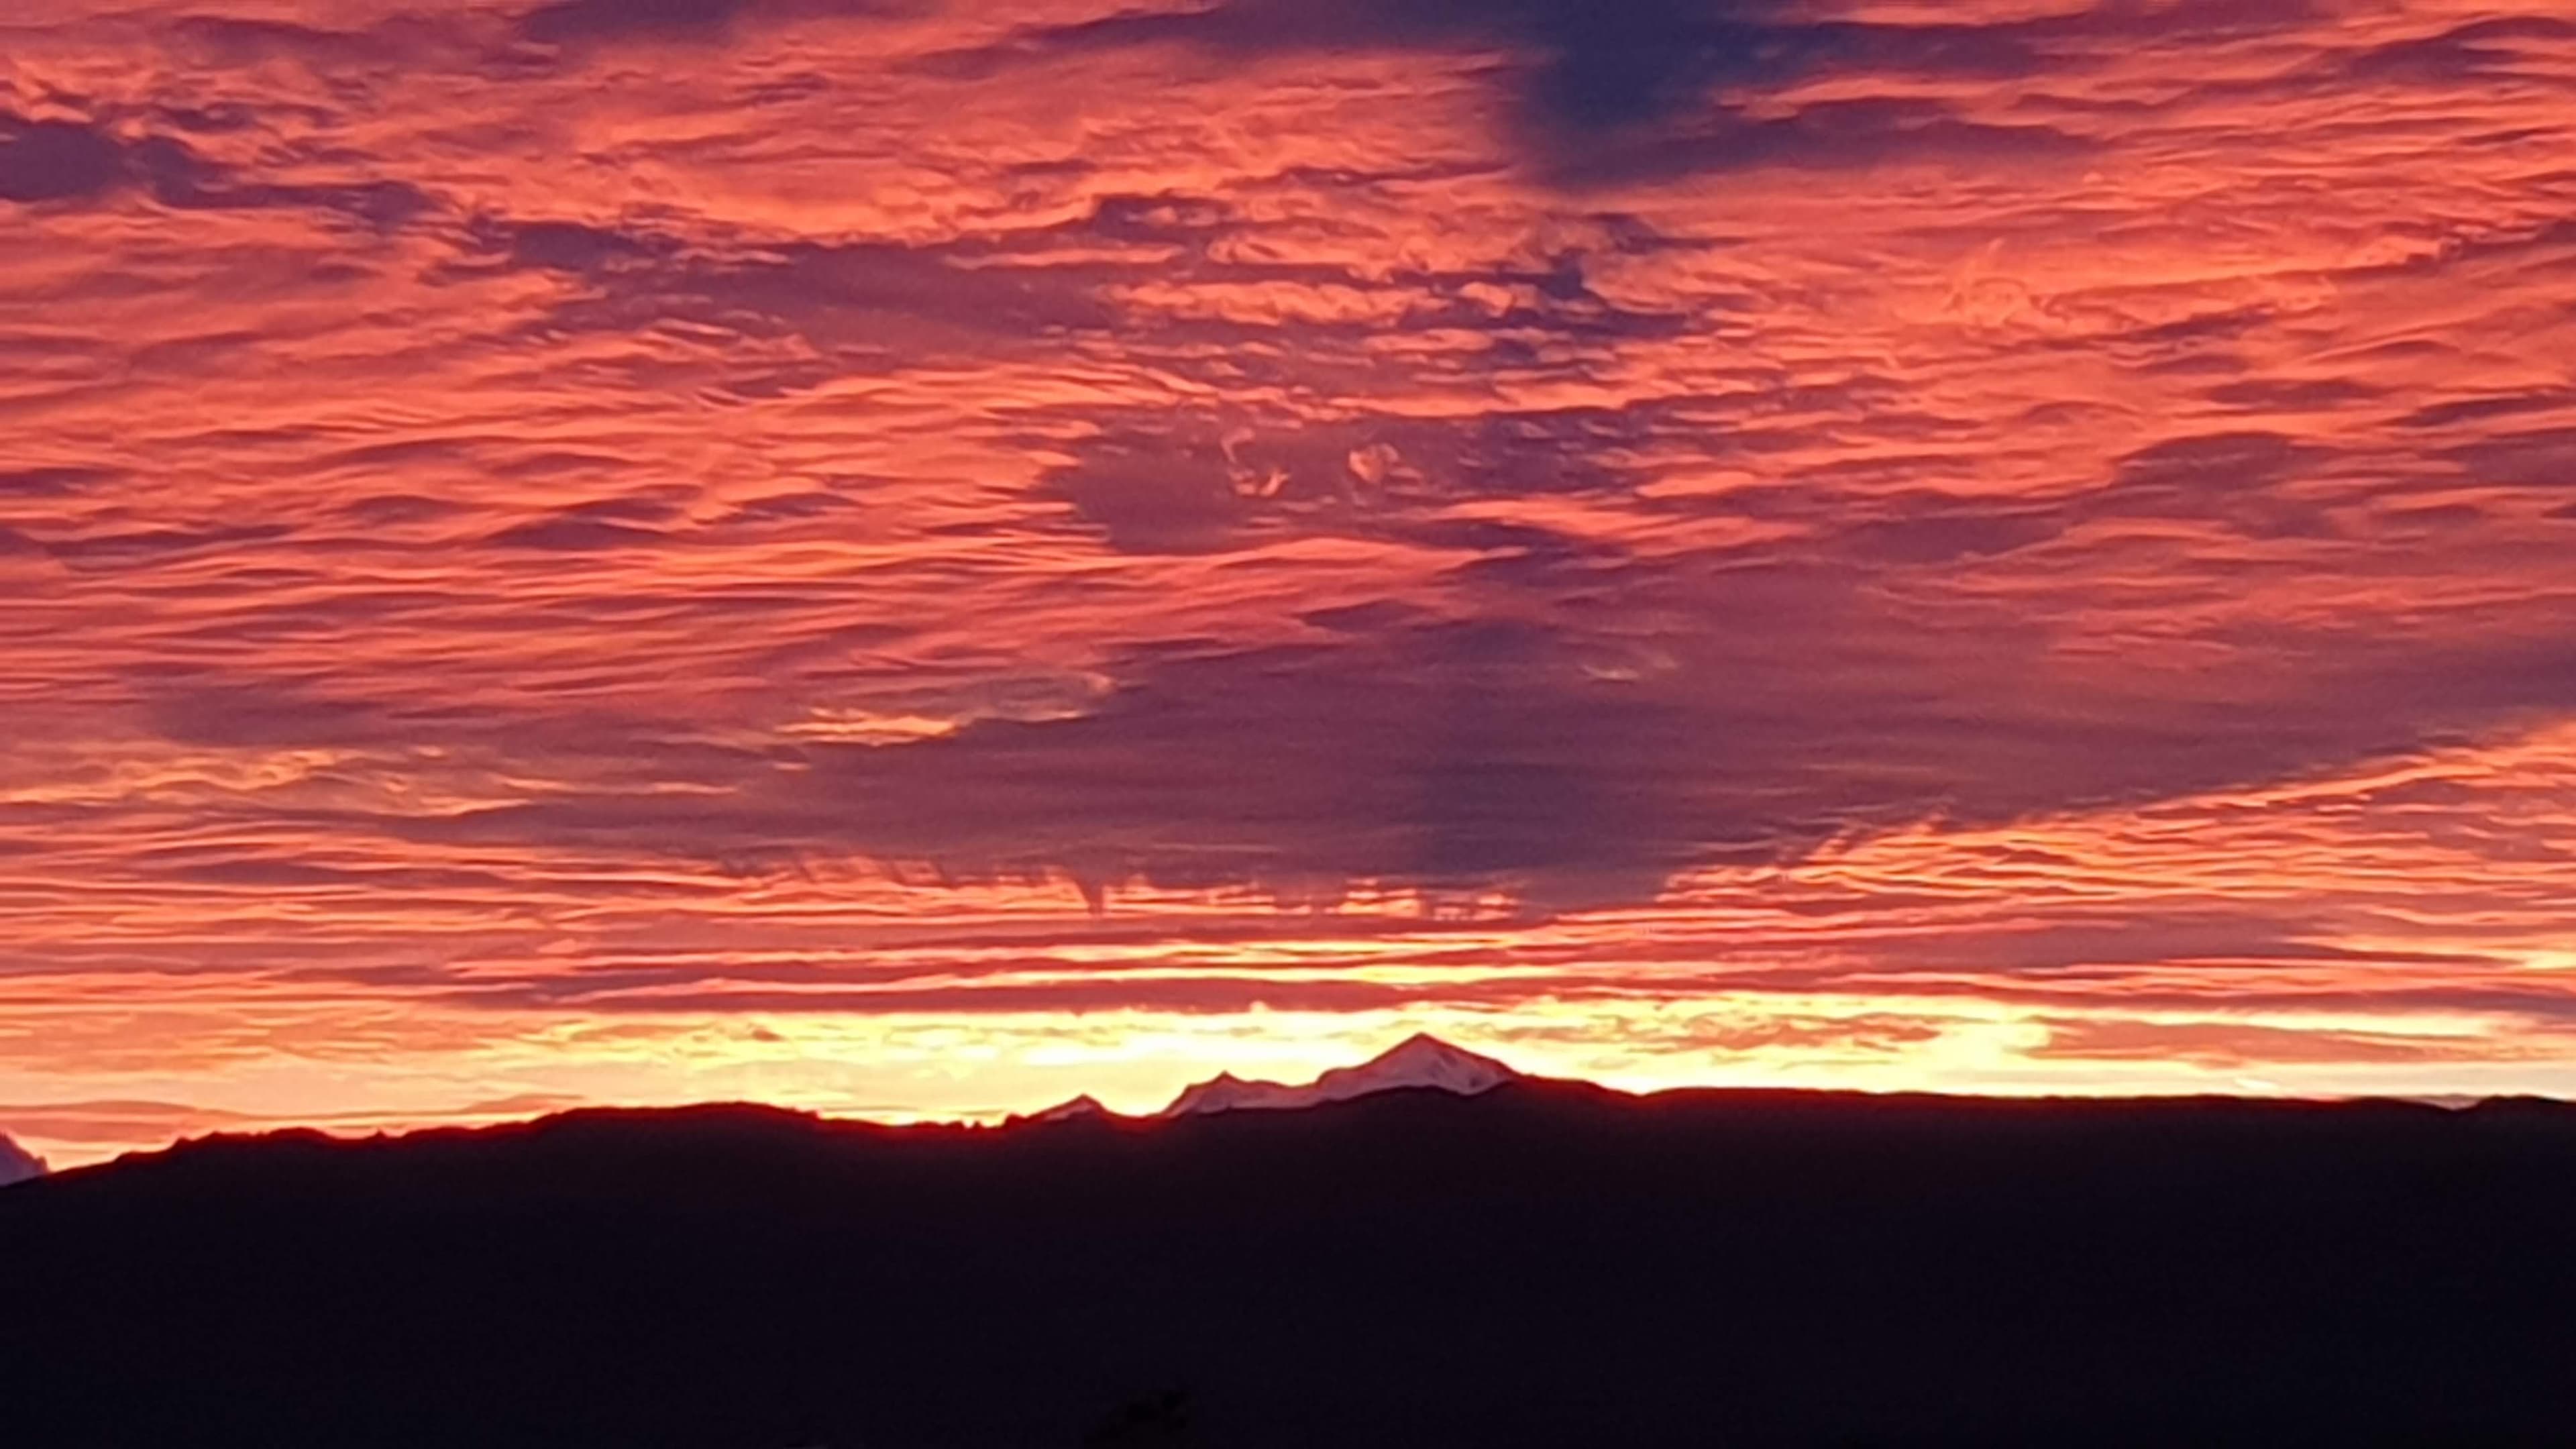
(1435, 1252)
(1420, 1060)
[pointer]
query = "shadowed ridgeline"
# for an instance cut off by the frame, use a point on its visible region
(1542, 1264)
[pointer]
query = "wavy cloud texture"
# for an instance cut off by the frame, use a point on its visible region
(758, 546)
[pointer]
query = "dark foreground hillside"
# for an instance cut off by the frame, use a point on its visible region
(1543, 1265)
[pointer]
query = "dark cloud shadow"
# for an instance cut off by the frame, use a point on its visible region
(58, 161)
(1630, 89)
(582, 22)
(1577, 761)
(70, 161)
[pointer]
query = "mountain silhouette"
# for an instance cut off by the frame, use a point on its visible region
(1421, 1060)
(1085, 1105)
(17, 1164)
(1540, 1263)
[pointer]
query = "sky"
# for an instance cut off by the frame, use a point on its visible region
(914, 558)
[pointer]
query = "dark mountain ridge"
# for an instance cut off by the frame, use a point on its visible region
(1542, 1264)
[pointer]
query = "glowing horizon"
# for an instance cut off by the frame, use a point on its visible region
(915, 559)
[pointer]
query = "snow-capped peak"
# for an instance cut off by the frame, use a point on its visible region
(1417, 1061)
(1420, 1060)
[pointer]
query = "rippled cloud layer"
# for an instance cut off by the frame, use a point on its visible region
(913, 557)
